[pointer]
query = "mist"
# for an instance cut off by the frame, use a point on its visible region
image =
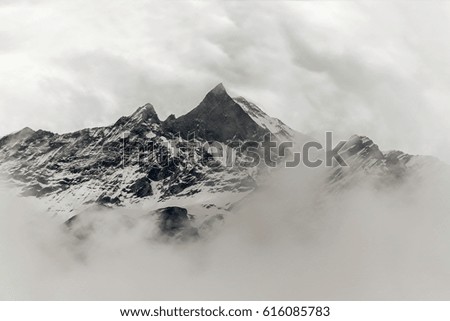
(290, 240)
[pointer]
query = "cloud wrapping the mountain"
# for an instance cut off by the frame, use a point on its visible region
(287, 241)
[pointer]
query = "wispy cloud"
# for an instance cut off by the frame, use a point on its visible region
(378, 69)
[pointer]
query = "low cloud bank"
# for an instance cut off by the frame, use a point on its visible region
(289, 240)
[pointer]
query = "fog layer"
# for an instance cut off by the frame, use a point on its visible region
(290, 240)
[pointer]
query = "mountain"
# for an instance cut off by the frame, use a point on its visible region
(386, 168)
(141, 159)
(13, 138)
(171, 165)
(221, 118)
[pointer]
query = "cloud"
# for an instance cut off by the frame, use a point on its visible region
(378, 69)
(359, 243)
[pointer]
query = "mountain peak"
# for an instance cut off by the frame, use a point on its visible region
(362, 145)
(217, 117)
(145, 113)
(219, 90)
(16, 136)
(26, 130)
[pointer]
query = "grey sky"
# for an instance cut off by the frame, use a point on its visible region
(379, 69)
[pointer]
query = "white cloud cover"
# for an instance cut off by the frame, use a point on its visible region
(379, 69)
(360, 243)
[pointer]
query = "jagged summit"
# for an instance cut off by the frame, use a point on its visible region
(362, 145)
(219, 90)
(217, 117)
(216, 98)
(15, 137)
(23, 131)
(145, 113)
(26, 130)
(171, 117)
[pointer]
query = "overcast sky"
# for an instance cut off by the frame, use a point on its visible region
(379, 69)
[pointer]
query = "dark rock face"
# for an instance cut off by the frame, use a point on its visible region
(142, 187)
(158, 173)
(172, 219)
(217, 118)
(175, 221)
(108, 200)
